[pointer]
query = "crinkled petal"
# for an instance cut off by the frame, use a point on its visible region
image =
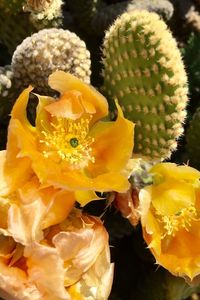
(45, 268)
(64, 82)
(14, 285)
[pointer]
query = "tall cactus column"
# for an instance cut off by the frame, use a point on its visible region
(143, 69)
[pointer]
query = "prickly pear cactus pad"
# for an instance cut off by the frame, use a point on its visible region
(143, 69)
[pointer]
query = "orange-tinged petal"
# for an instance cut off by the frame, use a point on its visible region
(45, 268)
(4, 188)
(69, 106)
(64, 82)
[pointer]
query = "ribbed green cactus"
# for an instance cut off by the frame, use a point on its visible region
(193, 138)
(47, 51)
(143, 69)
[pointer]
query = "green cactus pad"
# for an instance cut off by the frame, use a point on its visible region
(143, 69)
(192, 138)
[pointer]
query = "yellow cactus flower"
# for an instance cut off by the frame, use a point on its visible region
(72, 262)
(69, 147)
(170, 216)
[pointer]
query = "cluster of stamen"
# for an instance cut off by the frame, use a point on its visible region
(181, 220)
(68, 140)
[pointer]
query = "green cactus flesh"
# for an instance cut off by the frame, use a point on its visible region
(143, 69)
(192, 138)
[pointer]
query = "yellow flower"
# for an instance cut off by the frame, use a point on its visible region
(170, 216)
(71, 263)
(25, 212)
(69, 147)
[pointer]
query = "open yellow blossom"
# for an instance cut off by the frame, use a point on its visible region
(25, 212)
(170, 216)
(71, 263)
(69, 147)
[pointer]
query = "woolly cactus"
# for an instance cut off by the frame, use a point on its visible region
(192, 138)
(143, 69)
(45, 13)
(46, 51)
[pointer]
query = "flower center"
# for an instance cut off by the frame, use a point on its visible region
(68, 141)
(181, 220)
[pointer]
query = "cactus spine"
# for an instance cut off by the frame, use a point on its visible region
(143, 69)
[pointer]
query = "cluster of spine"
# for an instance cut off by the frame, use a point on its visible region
(143, 69)
(96, 16)
(47, 51)
(6, 75)
(192, 138)
(44, 13)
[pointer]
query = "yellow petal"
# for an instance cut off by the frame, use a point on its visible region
(113, 144)
(58, 209)
(84, 197)
(4, 188)
(17, 167)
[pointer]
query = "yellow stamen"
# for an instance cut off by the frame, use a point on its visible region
(69, 141)
(181, 220)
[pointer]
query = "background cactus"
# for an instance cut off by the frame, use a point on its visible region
(191, 50)
(192, 138)
(44, 13)
(95, 16)
(46, 51)
(143, 69)
(14, 28)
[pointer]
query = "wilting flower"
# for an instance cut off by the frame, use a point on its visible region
(25, 212)
(72, 262)
(170, 216)
(127, 203)
(69, 147)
